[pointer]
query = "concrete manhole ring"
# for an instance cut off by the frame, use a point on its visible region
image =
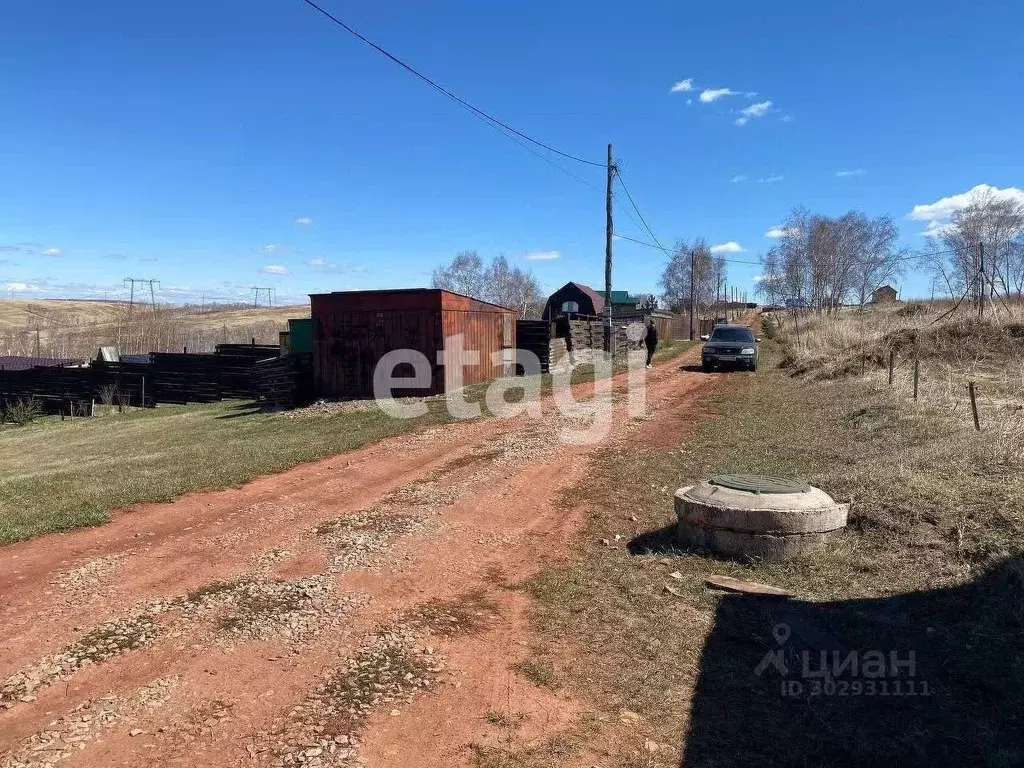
(756, 516)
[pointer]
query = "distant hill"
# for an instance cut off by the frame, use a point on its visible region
(77, 328)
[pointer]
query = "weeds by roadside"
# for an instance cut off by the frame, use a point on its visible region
(932, 525)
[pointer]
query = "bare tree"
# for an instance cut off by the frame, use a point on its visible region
(499, 282)
(708, 276)
(511, 287)
(820, 262)
(880, 260)
(465, 275)
(998, 223)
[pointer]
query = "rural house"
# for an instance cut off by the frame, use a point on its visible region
(353, 330)
(885, 294)
(574, 299)
(624, 301)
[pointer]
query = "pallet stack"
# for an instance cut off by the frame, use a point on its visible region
(284, 382)
(535, 336)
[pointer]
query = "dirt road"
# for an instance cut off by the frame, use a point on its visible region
(356, 610)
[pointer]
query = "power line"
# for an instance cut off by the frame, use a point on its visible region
(441, 89)
(660, 247)
(642, 219)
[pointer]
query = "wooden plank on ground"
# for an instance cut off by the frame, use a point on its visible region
(729, 584)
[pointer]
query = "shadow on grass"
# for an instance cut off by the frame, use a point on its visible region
(932, 678)
(242, 410)
(659, 542)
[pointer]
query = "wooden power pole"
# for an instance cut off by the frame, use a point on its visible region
(608, 256)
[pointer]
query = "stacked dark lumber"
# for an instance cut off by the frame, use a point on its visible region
(55, 390)
(535, 336)
(284, 382)
(254, 351)
(183, 378)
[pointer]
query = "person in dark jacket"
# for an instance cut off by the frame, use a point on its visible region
(651, 340)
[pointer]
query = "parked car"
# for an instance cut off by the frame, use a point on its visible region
(734, 346)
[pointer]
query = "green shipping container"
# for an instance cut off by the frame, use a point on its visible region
(300, 335)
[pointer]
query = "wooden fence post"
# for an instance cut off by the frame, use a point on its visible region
(916, 374)
(892, 363)
(974, 405)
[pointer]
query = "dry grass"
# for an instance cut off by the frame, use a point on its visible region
(951, 349)
(934, 520)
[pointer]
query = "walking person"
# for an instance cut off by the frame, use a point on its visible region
(651, 340)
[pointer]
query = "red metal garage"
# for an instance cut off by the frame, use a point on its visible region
(353, 330)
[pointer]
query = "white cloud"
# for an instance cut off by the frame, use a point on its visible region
(21, 287)
(770, 179)
(316, 263)
(270, 248)
(947, 206)
(51, 252)
(682, 86)
(275, 269)
(936, 229)
(737, 178)
(689, 102)
(787, 118)
(731, 247)
(709, 95)
(754, 110)
(543, 255)
(303, 221)
(776, 232)
(854, 172)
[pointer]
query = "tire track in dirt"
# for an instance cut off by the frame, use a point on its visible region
(389, 528)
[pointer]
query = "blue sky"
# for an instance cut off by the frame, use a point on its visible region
(214, 144)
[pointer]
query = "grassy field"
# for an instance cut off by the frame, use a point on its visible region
(60, 475)
(16, 313)
(929, 563)
(56, 475)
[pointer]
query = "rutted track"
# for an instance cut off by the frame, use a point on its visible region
(354, 609)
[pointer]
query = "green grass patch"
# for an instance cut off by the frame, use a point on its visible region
(59, 475)
(56, 476)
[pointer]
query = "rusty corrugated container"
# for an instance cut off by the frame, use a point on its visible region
(353, 330)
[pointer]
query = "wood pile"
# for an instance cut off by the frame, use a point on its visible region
(284, 382)
(535, 336)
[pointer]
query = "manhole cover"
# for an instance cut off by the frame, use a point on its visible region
(759, 484)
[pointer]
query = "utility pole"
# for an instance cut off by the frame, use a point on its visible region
(693, 292)
(608, 342)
